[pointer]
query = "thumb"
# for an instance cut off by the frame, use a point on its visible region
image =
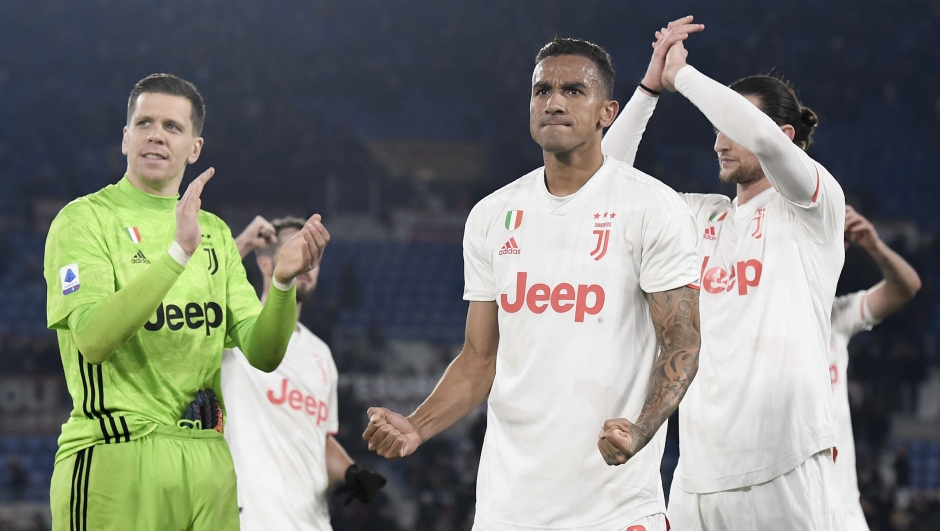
(377, 413)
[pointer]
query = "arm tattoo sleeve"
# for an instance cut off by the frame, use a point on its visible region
(676, 320)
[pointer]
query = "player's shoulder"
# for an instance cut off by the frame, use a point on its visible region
(212, 220)
(88, 207)
(494, 204)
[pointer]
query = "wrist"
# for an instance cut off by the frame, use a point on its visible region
(419, 426)
(179, 254)
(282, 285)
(651, 87)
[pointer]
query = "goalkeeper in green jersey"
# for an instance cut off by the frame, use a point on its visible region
(144, 291)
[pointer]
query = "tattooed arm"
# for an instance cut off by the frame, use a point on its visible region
(676, 320)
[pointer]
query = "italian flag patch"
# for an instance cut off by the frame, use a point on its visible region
(718, 216)
(134, 234)
(513, 219)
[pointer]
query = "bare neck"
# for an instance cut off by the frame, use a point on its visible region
(162, 188)
(748, 191)
(566, 173)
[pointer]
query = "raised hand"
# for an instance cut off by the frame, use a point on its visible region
(188, 233)
(620, 440)
(677, 30)
(303, 251)
(859, 230)
(390, 434)
(257, 235)
(675, 60)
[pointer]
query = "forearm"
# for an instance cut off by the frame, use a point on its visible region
(623, 138)
(264, 339)
(465, 385)
(100, 329)
(337, 460)
(675, 317)
(898, 274)
(745, 124)
(901, 282)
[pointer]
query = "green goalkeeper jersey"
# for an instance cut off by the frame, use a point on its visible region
(96, 246)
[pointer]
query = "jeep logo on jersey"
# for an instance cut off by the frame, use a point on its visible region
(296, 400)
(746, 274)
(192, 315)
(561, 299)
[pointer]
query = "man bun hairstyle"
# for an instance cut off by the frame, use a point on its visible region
(598, 55)
(778, 100)
(173, 86)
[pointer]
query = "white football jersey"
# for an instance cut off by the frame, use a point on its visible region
(576, 343)
(850, 315)
(761, 402)
(276, 425)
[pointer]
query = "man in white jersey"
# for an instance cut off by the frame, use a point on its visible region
(574, 273)
(852, 314)
(756, 429)
(281, 424)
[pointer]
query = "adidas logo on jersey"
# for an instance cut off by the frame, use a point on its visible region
(710, 233)
(139, 258)
(511, 247)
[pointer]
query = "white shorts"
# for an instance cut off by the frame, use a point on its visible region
(803, 499)
(855, 517)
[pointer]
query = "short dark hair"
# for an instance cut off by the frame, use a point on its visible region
(280, 225)
(598, 55)
(778, 100)
(174, 86)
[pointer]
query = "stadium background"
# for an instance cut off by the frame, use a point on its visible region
(392, 118)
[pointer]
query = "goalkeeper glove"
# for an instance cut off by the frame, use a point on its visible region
(361, 484)
(206, 409)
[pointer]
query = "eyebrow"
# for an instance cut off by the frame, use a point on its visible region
(574, 85)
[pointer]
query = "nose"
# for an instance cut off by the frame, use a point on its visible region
(555, 104)
(722, 143)
(156, 136)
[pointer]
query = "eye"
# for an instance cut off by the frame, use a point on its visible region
(173, 127)
(143, 123)
(574, 91)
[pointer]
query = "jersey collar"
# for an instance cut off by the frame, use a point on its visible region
(551, 207)
(145, 200)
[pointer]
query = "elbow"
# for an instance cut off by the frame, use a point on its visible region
(94, 354)
(268, 362)
(912, 286)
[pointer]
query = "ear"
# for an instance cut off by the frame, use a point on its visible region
(266, 265)
(124, 142)
(788, 130)
(609, 112)
(197, 150)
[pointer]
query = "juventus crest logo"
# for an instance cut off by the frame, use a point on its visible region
(213, 260)
(603, 238)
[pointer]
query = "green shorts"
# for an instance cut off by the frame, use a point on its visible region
(173, 479)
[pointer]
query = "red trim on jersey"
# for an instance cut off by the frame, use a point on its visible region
(816, 193)
(668, 527)
(693, 286)
(835, 454)
(861, 306)
(332, 433)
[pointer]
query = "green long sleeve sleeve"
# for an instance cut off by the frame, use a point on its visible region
(100, 328)
(264, 338)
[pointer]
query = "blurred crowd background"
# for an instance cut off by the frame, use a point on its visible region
(392, 118)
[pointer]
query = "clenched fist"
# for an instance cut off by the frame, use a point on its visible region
(390, 434)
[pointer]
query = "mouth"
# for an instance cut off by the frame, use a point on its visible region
(153, 156)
